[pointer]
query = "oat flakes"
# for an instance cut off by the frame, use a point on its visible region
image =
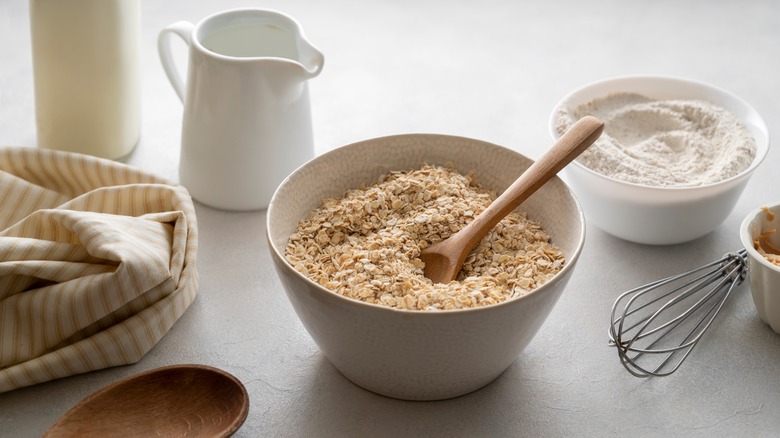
(366, 245)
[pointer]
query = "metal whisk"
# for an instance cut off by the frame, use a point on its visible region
(661, 322)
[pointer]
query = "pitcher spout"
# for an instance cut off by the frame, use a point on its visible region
(286, 35)
(310, 58)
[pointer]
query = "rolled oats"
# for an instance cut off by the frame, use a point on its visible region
(366, 245)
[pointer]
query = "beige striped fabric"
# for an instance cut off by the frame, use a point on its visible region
(97, 262)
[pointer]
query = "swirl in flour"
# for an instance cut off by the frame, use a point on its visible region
(663, 142)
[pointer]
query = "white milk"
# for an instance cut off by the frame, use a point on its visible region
(252, 40)
(86, 64)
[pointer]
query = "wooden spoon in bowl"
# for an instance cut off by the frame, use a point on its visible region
(178, 400)
(443, 260)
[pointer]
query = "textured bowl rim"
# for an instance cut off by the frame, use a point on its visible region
(762, 144)
(568, 266)
(747, 240)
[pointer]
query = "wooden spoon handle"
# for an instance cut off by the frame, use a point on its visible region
(571, 144)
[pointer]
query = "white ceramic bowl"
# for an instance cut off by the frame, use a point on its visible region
(419, 355)
(660, 215)
(764, 277)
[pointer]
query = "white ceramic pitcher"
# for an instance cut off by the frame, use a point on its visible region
(247, 117)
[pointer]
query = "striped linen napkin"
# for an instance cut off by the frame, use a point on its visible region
(97, 262)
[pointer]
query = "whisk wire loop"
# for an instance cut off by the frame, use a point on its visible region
(662, 322)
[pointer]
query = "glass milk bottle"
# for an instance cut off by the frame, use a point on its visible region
(86, 65)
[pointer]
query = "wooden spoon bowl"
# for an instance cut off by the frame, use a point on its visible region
(443, 260)
(178, 400)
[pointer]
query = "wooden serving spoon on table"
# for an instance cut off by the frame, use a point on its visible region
(443, 260)
(178, 400)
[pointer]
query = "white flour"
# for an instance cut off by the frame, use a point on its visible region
(663, 143)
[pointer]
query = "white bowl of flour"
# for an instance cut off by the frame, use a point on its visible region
(674, 157)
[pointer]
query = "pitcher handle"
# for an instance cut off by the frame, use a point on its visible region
(184, 30)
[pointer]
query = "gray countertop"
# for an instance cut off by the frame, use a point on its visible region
(492, 72)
